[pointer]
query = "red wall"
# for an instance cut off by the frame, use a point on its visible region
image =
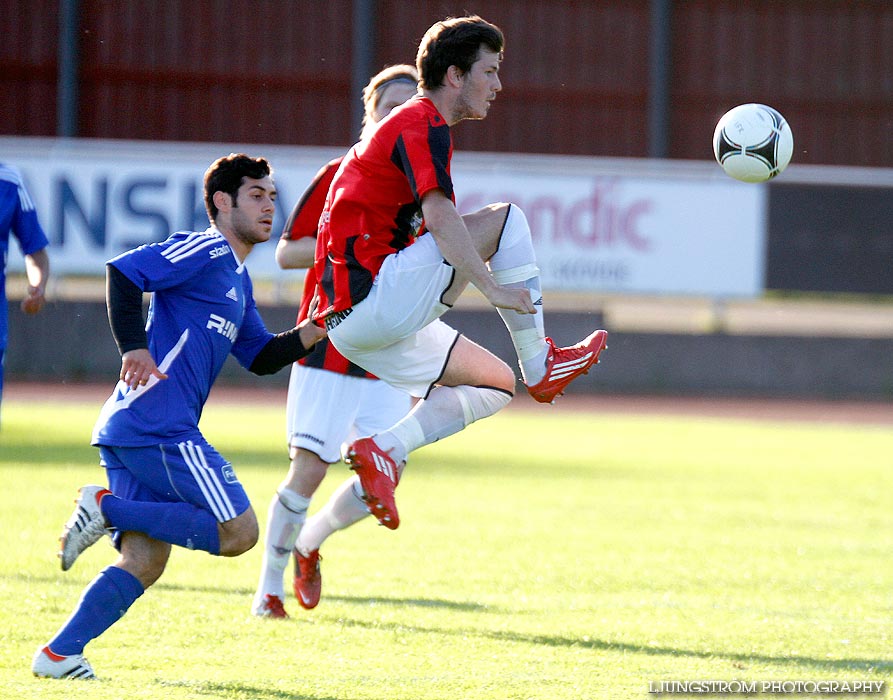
(575, 73)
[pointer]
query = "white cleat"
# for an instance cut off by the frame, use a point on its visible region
(46, 664)
(85, 526)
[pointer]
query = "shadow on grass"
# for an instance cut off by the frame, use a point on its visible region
(805, 662)
(884, 666)
(433, 603)
(242, 690)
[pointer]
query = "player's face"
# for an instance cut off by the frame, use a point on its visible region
(479, 86)
(392, 96)
(251, 220)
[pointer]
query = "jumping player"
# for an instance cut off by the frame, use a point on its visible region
(330, 399)
(167, 484)
(393, 255)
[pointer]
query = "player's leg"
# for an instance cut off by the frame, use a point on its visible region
(396, 334)
(502, 234)
(189, 496)
(106, 599)
(285, 519)
(319, 413)
(474, 384)
(484, 384)
(379, 406)
(202, 504)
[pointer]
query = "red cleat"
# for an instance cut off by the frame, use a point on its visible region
(270, 606)
(563, 365)
(378, 477)
(307, 581)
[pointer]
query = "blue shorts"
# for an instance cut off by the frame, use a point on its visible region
(180, 472)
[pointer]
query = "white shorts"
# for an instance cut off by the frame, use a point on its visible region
(395, 332)
(325, 409)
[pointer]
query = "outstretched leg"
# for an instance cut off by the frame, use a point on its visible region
(545, 368)
(105, 601)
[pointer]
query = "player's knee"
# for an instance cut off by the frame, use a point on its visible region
(504, 378)
(143, 557)
(481, 401)
(238, 535)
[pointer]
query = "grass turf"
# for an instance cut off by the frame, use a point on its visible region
(543, 554)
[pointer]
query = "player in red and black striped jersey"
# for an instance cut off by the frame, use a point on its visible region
(300, 230)
(330, 399)
(393, 254)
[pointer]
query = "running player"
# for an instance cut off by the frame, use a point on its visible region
(393, 254)
(167, 484)
(330, 399)
(19, 218)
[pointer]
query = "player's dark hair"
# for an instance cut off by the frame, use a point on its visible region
(402, 72)
(227, 174)
(455, 41)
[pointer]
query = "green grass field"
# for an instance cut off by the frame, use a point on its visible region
(543, 554)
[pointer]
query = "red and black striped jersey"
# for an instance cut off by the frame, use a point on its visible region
(373, 208)
(302, 223)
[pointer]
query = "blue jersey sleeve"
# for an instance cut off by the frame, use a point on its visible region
(253, 334)
(21, 214)
(157, 266)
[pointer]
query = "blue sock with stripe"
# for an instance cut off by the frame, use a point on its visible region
(182, 524)
(102, 604)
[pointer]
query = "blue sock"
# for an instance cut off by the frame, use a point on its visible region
(102, 604)
(181, 524)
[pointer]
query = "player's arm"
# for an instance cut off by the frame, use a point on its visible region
(125, 308)
(287, 347)
(295, 254)
(37, 270)
(459, 250)
(297, 246)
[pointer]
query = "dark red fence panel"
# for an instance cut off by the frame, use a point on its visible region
(28, 67)
(576, 72)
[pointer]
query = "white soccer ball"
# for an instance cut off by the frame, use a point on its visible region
(753, 143)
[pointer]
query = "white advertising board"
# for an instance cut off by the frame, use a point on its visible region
(603, 225)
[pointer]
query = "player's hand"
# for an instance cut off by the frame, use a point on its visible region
(137, 367)
(515, 298)
(314, 304)
(310, 333)
(34, 302)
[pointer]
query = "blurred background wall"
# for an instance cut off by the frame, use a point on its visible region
(634, 80)
(591, 77)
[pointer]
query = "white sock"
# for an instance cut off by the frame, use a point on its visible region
(447, 410)
(342, 510)
(285, 516)
(514, 265)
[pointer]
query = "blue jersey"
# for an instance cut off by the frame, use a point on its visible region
(202, 309)
(17, 216)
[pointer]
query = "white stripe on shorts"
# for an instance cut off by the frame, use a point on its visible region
(207, 481)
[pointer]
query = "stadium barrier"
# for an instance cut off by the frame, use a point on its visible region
(70, 342)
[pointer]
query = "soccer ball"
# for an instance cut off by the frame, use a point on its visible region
(753, 143)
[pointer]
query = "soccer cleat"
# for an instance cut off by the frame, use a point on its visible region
(563, 365)
(47, 664)
(308, 580)
(270, 606)
(85, 526)
(378, 477)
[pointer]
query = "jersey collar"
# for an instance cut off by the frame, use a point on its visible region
(213, 230)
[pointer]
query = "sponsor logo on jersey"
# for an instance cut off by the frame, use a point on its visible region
(219, 250)
(222, 326)
(232, 294)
